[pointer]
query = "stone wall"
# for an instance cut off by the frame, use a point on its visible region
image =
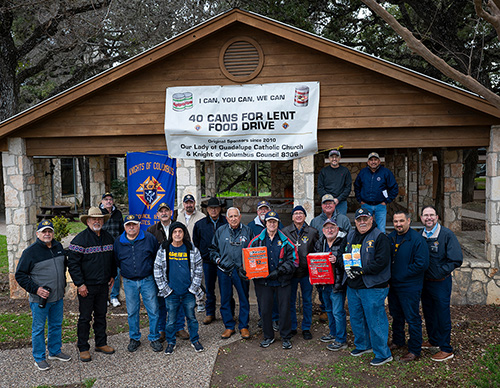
(282, 179)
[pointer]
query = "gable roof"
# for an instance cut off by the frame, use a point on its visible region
(224, 20)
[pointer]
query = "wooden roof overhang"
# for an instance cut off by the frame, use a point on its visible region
(365, 102)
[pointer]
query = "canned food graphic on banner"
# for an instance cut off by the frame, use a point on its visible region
(182, 101)
(301, 95)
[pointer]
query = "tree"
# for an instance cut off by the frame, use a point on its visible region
(47, 46)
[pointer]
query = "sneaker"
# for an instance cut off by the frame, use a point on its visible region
(276, 325)
(115, 302)
(380, 361)
(306, 334)
(287, 344)
(42, 365)
(357, 352)
(156, 345)
(61, 357)
(197, 347)
(169, 349)
(293, 332)
(133, 345)
(266, 342)
(442, 356)
(337, 346)
(327, 338)
(200, 308)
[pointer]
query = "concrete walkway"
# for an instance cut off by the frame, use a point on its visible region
(143, 368)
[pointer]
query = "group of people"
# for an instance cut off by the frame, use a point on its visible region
(167, 264)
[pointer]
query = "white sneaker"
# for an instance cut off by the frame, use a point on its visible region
(115, 302)
(200, 308)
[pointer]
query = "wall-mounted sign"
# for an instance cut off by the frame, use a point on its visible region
(244, 122)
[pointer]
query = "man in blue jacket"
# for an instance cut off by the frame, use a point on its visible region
(375, 187)
(410, 259)
(135, 254)
(445, 254)
(203, 233)
(42, 267)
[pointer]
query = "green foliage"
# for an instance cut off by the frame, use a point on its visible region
(119, 188)
(76, 227)
(14, 327)
(61, 228)
(487, 371)
(4, 259)
(88, 383)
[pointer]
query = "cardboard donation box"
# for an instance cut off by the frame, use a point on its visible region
(320, 268)
(255, 262)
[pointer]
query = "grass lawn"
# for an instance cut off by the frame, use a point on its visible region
(4, 260)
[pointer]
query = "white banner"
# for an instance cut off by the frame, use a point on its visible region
(247, 122)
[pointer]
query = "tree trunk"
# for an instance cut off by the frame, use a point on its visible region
(8, 63)
(470, 164)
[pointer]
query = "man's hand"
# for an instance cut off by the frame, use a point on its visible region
(273, 275)
(42, 293)
(226, 266)
(354, 272)
(82, 291)
(110, 283)
(332, 258)
(242, 273)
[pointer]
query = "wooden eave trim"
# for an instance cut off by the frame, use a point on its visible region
(203, 30)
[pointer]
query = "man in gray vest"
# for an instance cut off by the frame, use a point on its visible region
(367, 287)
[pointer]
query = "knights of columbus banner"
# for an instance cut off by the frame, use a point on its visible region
(151, 181)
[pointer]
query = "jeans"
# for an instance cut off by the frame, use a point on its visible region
(320, 296)
(342, 208)
(369, 321)
(210, 272)
(53, 313)
(95, 303)
(226, 284)
(115, 291)
(133, 291)
(306, 290)
(404, 306)
(334, 303)
(187, 302)
(436, 308)
(379, 214)
(162, 316)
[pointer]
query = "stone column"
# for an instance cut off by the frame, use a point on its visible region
(97, 179)
(493, 199)
(188, 180)
(210, 178)
(303, 184)
(120, 168)
(20, 205)
(453, 165)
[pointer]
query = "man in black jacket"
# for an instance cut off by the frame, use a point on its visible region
(114, 226)
(41, 271)
(203, 233)
(304, 237)
(93, 269)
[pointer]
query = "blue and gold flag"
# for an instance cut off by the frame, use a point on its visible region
(151, 181)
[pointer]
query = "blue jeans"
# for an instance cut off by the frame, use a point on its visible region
(162, 316)
(115, 291)
(53, 314)
(306, 290)
(436, 308)
(226, 284)
(379, 214)
(334, 304)
(187, 302)
(404, 307)
(133, 291)
(210, 271)
(369, 321)
(342, 208)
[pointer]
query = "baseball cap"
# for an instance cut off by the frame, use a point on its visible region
(334, 152)
(162, 205)
(327, 197)
(188, 197)
(132, 218)
(45, 225)
(272, 215)
(373, 155)
(263, 203)
(362, 213)
(107, 194)
(329, 221)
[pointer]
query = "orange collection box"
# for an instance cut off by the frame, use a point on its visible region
(255, 262)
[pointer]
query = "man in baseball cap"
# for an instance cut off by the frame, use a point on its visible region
(336, 180)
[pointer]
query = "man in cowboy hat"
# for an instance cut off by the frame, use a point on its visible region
(93, 269)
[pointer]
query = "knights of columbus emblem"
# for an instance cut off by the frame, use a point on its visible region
(150, 192)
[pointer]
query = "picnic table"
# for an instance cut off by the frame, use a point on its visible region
(49, 212)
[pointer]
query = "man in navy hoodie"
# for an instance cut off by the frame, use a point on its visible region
(135, 254)
(409, 261)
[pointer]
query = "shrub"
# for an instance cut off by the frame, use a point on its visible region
(61, 228)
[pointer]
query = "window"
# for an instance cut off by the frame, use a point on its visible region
(68, 173)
